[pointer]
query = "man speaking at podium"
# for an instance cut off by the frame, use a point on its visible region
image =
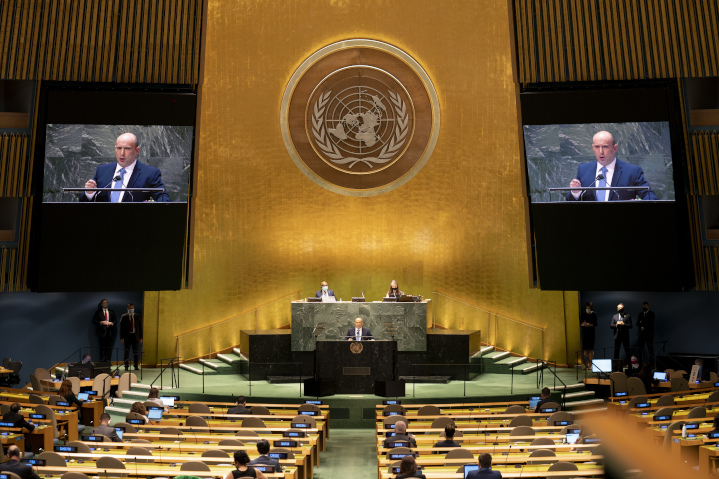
(358, 333)
(608, 171)
(126, 172)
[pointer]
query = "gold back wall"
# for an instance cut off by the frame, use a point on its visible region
(263, 229)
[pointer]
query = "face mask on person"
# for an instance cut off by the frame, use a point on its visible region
(588, 310)
(325, 288)
(131, 311)
(645, 309)
(620, 310)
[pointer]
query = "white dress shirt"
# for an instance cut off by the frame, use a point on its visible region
(125, 180)
(608, 178)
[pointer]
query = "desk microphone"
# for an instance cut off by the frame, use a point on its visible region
(521, 471)
(599, 177)
(362, 293)
(97, 193)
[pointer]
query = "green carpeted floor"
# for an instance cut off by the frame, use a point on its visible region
(349, 453)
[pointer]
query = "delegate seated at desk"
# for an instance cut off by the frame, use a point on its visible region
(16, 418)
(394, 291)
(14, 465)
(325, 291)
(358, 333)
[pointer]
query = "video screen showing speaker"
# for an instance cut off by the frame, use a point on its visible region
(604, 181)
(116, 167)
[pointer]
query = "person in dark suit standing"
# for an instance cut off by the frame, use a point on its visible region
(105, 429)
(126, 172)
(588, 322)
(485, 468)
(16, 418)
(15, 466)
(358, 333)
(131, 334)
(240, 408)
(645, 326)
(621, 324)
(105, 328)
(325, 291)
(608, 171)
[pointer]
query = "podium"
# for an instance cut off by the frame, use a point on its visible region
(354, 366)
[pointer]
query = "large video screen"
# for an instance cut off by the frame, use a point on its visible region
(604, 182)
(639, 155)
(75, 154)
(137, 143)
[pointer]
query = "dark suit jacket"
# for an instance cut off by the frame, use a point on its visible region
(318, 294)
(400, 437)
(619, 330)
(446, 443)
(143, 176)
(542, 403)
(239, 410)
(17, 467)
(625, 174)
(125, 326)
(366, 334)
(108, 431)
(18, 420)
(646, 321)
(485, 473)
(266, 460)
(417, 475)
(100, 329)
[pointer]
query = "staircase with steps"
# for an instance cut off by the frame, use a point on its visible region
(502, 362)
(224, 363)
(577, 399)
(139, 392)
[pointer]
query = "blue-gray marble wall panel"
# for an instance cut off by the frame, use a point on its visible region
(406, 321)
(553, 153)
(73, 153)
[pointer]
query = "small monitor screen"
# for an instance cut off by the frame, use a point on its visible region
(154, 414)
(83, 396)
(660, 376)
(388, 402)
(168, 401)
(713, 435)
(469, 468)
(602, 366)
(533, 401)
(572, 437)
(120, 431)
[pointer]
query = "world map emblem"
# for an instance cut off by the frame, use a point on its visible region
(360, 117)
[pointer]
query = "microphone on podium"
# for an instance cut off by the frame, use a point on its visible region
(599, 177)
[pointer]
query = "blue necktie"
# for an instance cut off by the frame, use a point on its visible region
(358, 335)
(115, 195)
(600, 194)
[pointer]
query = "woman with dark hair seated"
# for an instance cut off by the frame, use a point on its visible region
(139, 408)
(66, 393)
(242, 469)
(408, 468)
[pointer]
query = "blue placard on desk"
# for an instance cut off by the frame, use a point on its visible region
(662, 418)
(37, 416)
(390, 434)
(549, 409)
(93, 438)
(278, 455)
(294, 434)
(390, 402)
(265, 468)
(398, 456)
(562, 423)
(136, 421)
(619, 394)
(285, 443)
(300, 425)
(62, 403)
(316, 402)
(692, 425)
(7, 424)
(641, 405)
(33, 462)
(65, 448)
(391, 413)
(310, 413)
(713, 435)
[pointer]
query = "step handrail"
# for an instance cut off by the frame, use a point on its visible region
(171, 362)
(556, 378)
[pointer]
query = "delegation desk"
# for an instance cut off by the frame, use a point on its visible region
(91, 410)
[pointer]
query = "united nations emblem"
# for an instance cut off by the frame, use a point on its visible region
(356, 347)
(360, 117)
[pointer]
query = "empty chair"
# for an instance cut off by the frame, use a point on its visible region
(49, 415)
(141, 441)
(399, 450)
(108, 462)
(74, 475)
(561, 466)
(442, 422)
(521, 421)
(43, 375)
(260, 410)
(102, 384)
(196, 421)
(230, 444)
(713, 377)
(128, 427)
(515, 409)
(669, 433)
(173, 431)
(132, 455)
(429, 410)
(11, 475)
(678, 374)
(636, 400)
(635, 386)
(125, 384)
(134, 415)
(14, 377)
(679, 384)
(458, 453)
(52, 400)
(195, 466)
(35, 382)
(5, 362)
(697, 412)
(81, 446)
(618, 383)
(390, 420)
(217, 452)
(246, 433)
(35, 399)
(308, 407)
(149, 405)
(559, 416)
(566, 429)
(75, 385)
(665, 411)
(542, 441)
(549, 405)
(397, 408)
(253, 422)
(541, 453)
(665, 400)
(521, 431)
(198, 408)
(305, 420)
(713, 397)
(52, 459)
(4, 409)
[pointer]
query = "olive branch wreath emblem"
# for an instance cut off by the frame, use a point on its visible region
(330, 149)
